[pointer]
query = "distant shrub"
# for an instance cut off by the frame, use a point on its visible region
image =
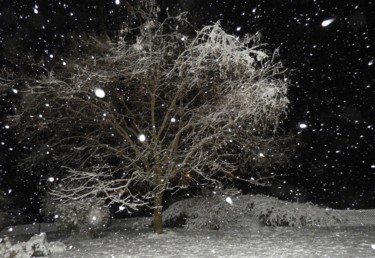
(87, 217)
(244, 211)
(4, 222)
(274, 212)
(4, 206)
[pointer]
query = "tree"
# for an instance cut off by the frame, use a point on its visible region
(162, 112)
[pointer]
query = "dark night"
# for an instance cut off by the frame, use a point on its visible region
(139, 128)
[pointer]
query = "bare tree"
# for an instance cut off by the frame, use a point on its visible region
(160, 113)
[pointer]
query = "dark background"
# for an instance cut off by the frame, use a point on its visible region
(332, 70)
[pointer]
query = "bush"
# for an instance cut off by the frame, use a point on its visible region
(37, 246)
(4, 221)
(213, 211)
(244, 211)
(86, 217)
(274, 212)
(200, 212)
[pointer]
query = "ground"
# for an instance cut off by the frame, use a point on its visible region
(133, 238)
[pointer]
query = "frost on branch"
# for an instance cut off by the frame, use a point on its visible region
(246, 77)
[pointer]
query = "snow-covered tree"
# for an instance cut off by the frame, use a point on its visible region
(169, 109)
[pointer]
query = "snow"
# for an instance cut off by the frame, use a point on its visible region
(36, 11)
(36, 246)
(229, 200)
(29, 229)
(266, 242)
(134, 238)
(142, 138)
(327, 22)
(99, 92)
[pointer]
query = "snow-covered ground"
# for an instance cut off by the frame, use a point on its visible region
(133, 239)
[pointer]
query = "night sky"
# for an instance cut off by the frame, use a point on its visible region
(328, 48)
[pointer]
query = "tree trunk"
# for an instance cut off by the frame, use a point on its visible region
(158, 202)
(158, 210)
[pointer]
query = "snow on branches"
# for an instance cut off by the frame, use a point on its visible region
(164, 111)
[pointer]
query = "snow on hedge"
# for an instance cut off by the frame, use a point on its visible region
(246, 211)
(86, 217)
(37, 246)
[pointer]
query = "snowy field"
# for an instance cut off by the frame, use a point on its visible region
(134, 238)
(265, 242)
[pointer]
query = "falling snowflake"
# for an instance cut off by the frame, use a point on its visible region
(36, 9)
(327, 22)
(142, 138)
(99, 92)
(302, 126)
(229, 200)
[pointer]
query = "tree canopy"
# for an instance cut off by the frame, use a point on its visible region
(129, 119)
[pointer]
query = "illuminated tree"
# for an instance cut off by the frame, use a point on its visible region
(167, 110)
